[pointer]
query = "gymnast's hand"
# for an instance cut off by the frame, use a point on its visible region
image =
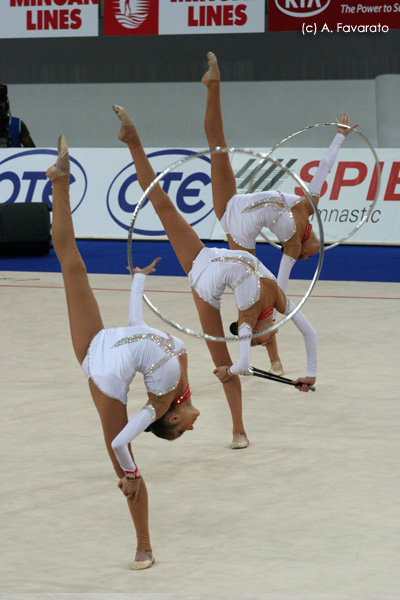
(222, 374)
(344, 120)
(303, 383)
(149, 269)
(130, 488)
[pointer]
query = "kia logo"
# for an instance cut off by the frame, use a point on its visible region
(188, 186)
(23, 178)
(302, 8)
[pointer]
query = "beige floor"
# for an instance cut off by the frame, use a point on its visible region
(310, 510)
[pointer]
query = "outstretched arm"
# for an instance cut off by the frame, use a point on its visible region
(135, 316)
(330, 155)
(285, 268)
(310, 340)
(120, 445)
(242, 363)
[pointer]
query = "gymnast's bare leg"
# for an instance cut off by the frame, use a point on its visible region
(223, 181)
(85, 321)
(187, 246)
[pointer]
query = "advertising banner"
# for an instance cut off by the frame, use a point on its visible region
(174, 17)
(48, 18)
(328, 16)
(105, 190)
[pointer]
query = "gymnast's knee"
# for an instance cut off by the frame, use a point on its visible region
(72, 263)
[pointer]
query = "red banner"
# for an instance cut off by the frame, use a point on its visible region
(341, 16)
(123, 17)
(183, 17)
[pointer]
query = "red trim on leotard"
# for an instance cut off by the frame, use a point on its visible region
(266, 313)
(307, 232)
(183, 398)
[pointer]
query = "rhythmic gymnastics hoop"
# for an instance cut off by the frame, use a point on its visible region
(219, 150)
(316, 126)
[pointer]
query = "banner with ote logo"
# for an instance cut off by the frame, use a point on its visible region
(174, 17)
(347, 16)
(48, 18)
(105, 189)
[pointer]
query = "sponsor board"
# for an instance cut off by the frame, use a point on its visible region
(186, 184)
(174, 17)
(105, 190)
(349, 16)
(23, 177)
(48, 18)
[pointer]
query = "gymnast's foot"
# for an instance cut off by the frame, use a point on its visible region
(239, 441)
(143, 560)
(61, 167)
(276, 368)
(127, 133)
(213, 70)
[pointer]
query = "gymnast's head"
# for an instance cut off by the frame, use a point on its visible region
(179, 418)
(309, 247)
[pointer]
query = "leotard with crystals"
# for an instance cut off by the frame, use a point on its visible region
(214, 269)
(247, 214)
(116, 355)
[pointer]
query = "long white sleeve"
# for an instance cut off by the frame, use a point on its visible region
(135, 316)
(325, 165)
(243, 360)
(310, 338)
(136, 425)
(285, 268)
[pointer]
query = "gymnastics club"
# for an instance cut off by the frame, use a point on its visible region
(265, 375)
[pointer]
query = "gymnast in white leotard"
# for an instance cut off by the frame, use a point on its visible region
(110, 359)
(242, 216)
(115, 355)
(210, 271)
(214, 269)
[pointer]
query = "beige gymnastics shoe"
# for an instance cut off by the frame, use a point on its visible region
(239, 441)
(276, 368)
(62, 165)
(213, 73)
(143, 560)
(127, 133)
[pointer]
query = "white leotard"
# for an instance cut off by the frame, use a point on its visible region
(214, 269)
(247, 214)
(115, 355)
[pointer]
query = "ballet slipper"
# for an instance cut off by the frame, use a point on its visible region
(128, 133)
(143, 560)
(276, 368)
(62, 166)
(213, 73)
(239, 441)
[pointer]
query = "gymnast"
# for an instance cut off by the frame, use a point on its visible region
(210, 271)
(242, 216)
(110, 359)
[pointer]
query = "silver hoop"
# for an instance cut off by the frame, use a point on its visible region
(219, 150)
(316, 126)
